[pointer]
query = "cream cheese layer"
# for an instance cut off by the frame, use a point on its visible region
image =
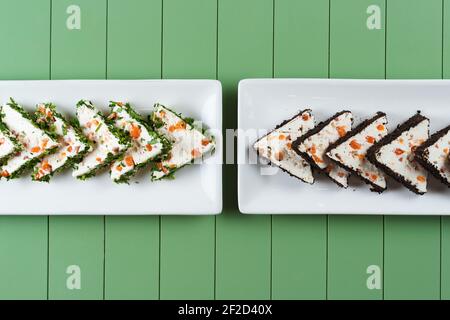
(398, 155)
(316, 145)
(351, 153)
(35, 141)
(277, 146)
(188, 143)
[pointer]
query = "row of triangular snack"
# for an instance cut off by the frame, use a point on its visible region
(45, 142)
(368, 150)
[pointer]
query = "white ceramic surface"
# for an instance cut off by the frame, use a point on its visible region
(264, 103)
(197, 189)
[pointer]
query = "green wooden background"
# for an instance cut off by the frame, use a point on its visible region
(231, 256)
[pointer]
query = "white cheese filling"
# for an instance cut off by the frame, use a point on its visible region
(105, 142)
(277, 146)
(70, 144)
(398, 155)
(316, 145)
(145, 146)
(188, 143)
(34, 140)
(6, 145)
(352, 152)
(437, 156)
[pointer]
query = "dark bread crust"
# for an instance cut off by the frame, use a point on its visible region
(372, 152)
(310, 133)
(276, 128)
(350, 134)
(421, 155)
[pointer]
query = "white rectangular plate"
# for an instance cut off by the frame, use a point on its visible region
(264, 103)
(197, 189)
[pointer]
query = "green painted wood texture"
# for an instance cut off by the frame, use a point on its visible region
(445, 221)
(243, 263)
(355, 242)
(231, 256)
(299, 246)
(134, 39)
(132, 243)
(76, 242)
(445, 258)
(188, 244)
(132, 257)
(23, 240)
(79, 241)
(23, 243)
(412, 244)
(79, 53)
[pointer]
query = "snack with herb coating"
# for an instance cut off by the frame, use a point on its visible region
(36, 142)
(188, 142)
(146, 144)
(8, 144)
(109, 143)
(73, 145)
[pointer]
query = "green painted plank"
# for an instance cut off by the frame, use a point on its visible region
(446, 39)
(77, 241)
(414, 39)
(132, 257)
(357, 51)
(26, 45)
(76, 247)
(445, 258)
(242, 241)
(412, 261)
(355, 243)
(78, 53)
(299, 242)
(355, 250)
(445, 221)
(23, 254)
(189, 39)
(188, 243)
(412, 244)
(132, 243)
(134, 39)
(301, 38)
(187, 257)
(23, 240)
(299, 253)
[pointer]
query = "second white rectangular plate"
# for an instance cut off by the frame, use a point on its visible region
(197, 189)
(264, 103)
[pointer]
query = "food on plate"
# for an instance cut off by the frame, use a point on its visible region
(188, 141)
(146, 144)
(36, 142)
(8, 143)
(394, 154)
(276, 146)
(350, 151)
(72, 144)
(109, 143)
(433, 155)
(312, 145)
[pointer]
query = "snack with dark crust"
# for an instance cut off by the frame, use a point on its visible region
(312, 145)
(276, 146)
(394, 154)
(433, 155)
(350, 151)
